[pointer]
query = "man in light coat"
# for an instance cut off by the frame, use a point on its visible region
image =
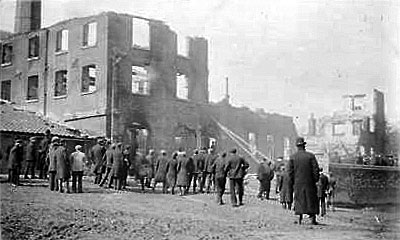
(303, 172)
(77, 160)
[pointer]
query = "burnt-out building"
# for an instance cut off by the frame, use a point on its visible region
(119, 76)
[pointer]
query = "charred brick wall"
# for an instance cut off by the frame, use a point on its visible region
(366, 185)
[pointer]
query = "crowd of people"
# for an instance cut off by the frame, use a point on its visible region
(301, 182)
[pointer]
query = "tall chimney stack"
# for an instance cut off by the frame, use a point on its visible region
(227, 89)
(28, 15)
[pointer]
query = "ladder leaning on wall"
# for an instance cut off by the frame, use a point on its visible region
(245, 146)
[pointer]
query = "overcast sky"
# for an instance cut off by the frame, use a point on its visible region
(290, 57)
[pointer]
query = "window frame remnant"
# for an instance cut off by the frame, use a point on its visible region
(182, 87)
(62, 40)
(6, 90)
(89, 34)
(140, 33)
(140, 80)
(33, 47)
(32, 92)
(89, 78)
(60, 83)
(7, 54)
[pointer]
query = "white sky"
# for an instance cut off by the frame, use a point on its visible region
(291, 57)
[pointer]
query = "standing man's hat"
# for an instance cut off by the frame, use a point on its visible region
(300, 141)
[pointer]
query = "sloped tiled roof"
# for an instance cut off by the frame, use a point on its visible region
(17, 120)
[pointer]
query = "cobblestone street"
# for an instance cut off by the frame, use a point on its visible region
(33, 212)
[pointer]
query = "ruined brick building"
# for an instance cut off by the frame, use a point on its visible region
(121, 76)
(357, 129)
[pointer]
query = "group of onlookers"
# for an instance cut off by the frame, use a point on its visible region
(301, 181)
(200, 172)
(35, 157)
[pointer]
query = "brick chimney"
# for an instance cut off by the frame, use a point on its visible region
(27, 15)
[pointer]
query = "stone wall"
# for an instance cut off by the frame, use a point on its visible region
(366, 185)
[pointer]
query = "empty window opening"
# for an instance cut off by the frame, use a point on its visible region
(6, 55)
(62, 40)
(60, 87)
(90, 34)
(33, 84)
(89, 76)
(270, 147)
(183, 49)
(339, 129)
(182, 86)
(141, 140)
(252, 141)
(357, 126)
(140, 33)
(140, 80)
(33, 47)
(6, 90)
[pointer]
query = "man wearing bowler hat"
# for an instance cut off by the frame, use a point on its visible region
(303, 174)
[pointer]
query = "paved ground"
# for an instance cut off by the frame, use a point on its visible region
(31, 211)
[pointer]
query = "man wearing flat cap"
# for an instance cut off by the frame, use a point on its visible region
(236, 168)
(96, 156)
(303, 174)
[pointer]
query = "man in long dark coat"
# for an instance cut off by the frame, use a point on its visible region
(323, 187)
(96, 155)
(172, 172)
(151, 159)
(236, 168)
(43, 153)
(182, 177)
(264, 175)
(218, 169)
(191, 173)
(63, 167)
(161, 171)
(108, 160)
(15, 161)
(210, 159)
(31, 158)
(128, 160)
(303, 172)
(285, 190)
(51, 161)
(117, 168)
(200, 169)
